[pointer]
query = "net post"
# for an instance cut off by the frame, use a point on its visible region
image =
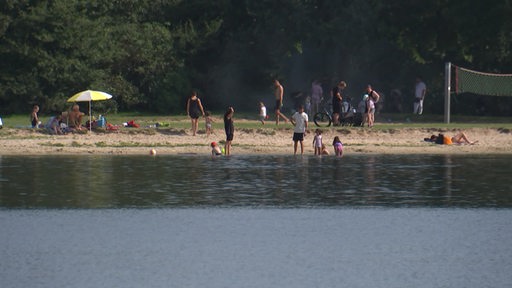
(447, 87)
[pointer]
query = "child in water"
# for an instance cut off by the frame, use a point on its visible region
(216, 151)
(324, 150)
(317, 142)
(338, 146)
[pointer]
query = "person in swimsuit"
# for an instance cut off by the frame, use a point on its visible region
(216, 151)
(75, 117)
(194, 110)
(317, 142)
(373, 97)
(263, 113)
(278, 92)
(229, 128)
(34, 120)
(324, 150)
(208, 123)
(338, 146)
(459, 138)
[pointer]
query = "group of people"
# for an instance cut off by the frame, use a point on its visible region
(60, 123)
(195, 110)
(321, 149)
(299, 119)
(300, 122)
(229, 128)
(366, 107)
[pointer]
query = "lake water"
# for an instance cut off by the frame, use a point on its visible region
(256, 221)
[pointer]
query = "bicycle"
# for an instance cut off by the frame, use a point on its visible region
(348, 117)
(323, 118)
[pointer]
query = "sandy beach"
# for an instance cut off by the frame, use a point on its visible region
(268, 139)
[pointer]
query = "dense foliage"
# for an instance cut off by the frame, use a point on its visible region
(150, 54)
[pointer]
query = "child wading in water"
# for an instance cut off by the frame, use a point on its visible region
(317, 142)
(216, 151)
(324, 150)
(338, 146)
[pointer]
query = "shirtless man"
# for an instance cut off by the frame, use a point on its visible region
(75, 117)
(279, 101)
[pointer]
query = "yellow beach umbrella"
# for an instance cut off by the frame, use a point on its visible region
(89, 96)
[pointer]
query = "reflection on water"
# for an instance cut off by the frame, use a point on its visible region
(234, 232)
(256, 181)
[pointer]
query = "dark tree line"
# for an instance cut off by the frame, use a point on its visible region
(150, 54)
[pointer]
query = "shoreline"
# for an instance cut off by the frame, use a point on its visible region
(272, 141)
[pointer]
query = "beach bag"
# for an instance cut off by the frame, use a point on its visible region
(110, 127)
(133, 124)
(101, 122)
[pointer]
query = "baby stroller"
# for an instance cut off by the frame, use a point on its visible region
(358, 120)
(361, 110)
(348, 113)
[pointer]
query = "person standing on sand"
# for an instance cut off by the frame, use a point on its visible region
(373, 97)
(420, 90)
(278, 92)
(263, 113)
(316, 96)
(194, 110)
(229, 127)
(300, 121)
(208, 122)
(337, 99)
(34, 120)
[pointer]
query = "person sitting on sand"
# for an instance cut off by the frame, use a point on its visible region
(75, 117)
(53, 125)
(324, 150)
(459, 138)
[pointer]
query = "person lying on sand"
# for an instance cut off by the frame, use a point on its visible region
(459, 138)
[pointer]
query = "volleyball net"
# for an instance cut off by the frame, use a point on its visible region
(469, 81)
(475, 82)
